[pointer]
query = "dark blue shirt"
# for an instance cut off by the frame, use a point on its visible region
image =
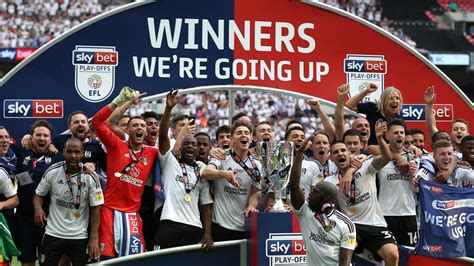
(33, 165)
(372, 115)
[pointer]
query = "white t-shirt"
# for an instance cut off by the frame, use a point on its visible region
(322, 248)
(229, 201)
(366, 209)
(396, 198)
(175, 207)
(310, 176)
(327, 169)
(7, 188)
(62, 222)
(461, 176)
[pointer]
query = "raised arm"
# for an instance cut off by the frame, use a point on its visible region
(385, 155)
(296, 193)
(113, 119)
(353, 101)
(342, 91)
(327, 124)
(430, 97)
(212, 173)
(163, 140)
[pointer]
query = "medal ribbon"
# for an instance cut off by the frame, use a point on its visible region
(134, 160)
(254, 173)
(186, 178)
(352, 193)
(77, 204)
(322, 217)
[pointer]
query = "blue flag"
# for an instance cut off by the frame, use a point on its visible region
(446, 221)
(158, 185)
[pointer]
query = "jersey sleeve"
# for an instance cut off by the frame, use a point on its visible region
(205, 196)
(216, 163)
(6, 186)
(45, 184)
(304, 209)
(106, 136)
(96, 197)
(348, 238)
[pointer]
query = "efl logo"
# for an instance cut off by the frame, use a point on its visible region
(416, 112)
(367, 66)
(94, 71)
(94, 58)
(21, 108)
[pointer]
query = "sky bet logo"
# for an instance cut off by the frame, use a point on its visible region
(282, 247)
(416, 112)
(13, 108)
(366, 66)
(95, 58)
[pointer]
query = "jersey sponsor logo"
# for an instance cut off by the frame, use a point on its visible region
(285, 248)
(26, 108)
(358, 200)
(65, 204)
(131, 180)
(94, 71)
(397, 176)
(322, 238)
(364, 69)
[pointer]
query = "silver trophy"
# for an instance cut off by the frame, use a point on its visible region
(277, 159)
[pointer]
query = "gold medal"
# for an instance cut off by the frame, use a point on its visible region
(353, 209)
(117, 174)
(187, 198)
(77, 214)
(328, 228)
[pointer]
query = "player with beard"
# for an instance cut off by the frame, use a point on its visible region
(147, 206)
(395, 194)
(320, 148)
(444, 161)
(467, 150)
(419, 140)
(180, 220)
(310, 168)
(459, 128)
(359, 200)
(329, 235)
(203, 147)
(236, 185)
(387, 108)
(31, 164)
(129, 165)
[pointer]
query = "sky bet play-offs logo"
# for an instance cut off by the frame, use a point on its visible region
(95, 71)
(416, 112)
(285, 249)
(362, 70)
(22, 108)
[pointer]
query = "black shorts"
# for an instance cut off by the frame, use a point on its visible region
(53, 248)
(220, 233)
(27, 237)
(373, 238)
(172, 234)
(404, 229)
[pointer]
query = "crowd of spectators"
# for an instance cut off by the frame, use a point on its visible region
(31, 24)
